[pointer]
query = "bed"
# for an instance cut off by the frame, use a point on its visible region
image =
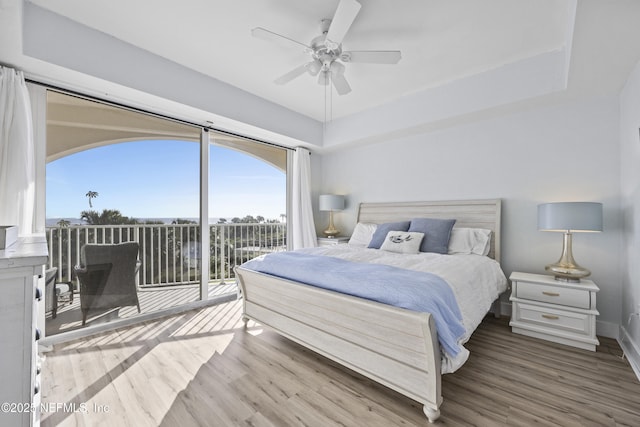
(393, 346)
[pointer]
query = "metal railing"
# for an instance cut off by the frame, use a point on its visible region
(169, 253)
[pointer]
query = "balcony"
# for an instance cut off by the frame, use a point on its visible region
(170, 262)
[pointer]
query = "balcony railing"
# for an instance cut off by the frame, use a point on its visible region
(170, 253)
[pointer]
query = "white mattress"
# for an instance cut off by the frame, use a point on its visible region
(476, 281)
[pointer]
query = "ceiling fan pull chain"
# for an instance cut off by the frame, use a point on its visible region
(324, 125)
(329, 87)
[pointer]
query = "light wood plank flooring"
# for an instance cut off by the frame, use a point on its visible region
(152, 299)
(201, 368)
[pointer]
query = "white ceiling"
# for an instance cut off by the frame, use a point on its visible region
(461, 60)
(441, 41)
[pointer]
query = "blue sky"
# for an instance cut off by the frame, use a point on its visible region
(142, 180)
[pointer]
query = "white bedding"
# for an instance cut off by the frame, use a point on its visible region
(476, 281)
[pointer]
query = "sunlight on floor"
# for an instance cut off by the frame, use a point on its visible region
(150, 353)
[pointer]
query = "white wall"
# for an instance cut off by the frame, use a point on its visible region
(630, 189)
(567, 152)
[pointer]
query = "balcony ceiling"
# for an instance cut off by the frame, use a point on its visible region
(76, 124)
(441, 41)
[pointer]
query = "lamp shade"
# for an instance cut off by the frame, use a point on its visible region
(331, 202)
(570, 216)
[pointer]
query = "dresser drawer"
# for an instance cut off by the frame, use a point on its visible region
(553, 320)
(554, 295)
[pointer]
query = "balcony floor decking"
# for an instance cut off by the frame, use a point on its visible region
(152, 299)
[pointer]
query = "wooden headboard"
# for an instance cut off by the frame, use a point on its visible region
(468, 213)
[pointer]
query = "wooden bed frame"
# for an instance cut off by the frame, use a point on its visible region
(394, 347)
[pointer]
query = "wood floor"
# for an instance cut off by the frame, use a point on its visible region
(201, 368)
(69, 316)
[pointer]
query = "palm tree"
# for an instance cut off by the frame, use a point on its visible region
(91, 195)
(63, 223)
(106, 217)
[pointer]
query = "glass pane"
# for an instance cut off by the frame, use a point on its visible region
(115, 176)
(247, 203)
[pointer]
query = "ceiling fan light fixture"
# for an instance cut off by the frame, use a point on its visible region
(326, 50)
(323, 78)
(314, 67)
(331, 46)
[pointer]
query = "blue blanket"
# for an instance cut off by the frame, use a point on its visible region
(413, 290)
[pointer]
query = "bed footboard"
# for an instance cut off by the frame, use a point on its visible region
(395, 347)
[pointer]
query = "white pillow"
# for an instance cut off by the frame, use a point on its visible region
(470, 241)
(362, 234)
(403, 242)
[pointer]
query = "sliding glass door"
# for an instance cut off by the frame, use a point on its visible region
(247, 202)
(195, 204)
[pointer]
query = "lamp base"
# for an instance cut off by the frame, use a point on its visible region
(331, 231)
(567, 269)
(567, 273)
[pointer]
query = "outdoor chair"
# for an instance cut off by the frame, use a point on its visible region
(50, 298)
(55, 292)
(107, 275)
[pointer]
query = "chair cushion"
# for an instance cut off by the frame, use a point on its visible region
(62, 288)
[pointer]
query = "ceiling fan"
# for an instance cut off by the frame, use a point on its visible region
(326, 50)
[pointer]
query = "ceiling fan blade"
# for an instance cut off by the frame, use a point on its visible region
(372, 56)
(340, 83)
(345, 15)
(264, 34)
(296, 72)
(336, 68)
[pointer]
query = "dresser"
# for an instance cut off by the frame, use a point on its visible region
(21, 271)
(558, 311)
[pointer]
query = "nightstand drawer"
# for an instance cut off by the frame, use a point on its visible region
(555, 320)
(554, 295)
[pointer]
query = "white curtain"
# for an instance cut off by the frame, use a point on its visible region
(303, 230)
(17, 162)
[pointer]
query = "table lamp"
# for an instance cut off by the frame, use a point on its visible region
(331, 202)
(569, 217)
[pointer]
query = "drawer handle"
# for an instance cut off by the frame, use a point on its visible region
(550, 316)
(550, 294)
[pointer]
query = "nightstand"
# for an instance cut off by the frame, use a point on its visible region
(329, 241)
(562, 312)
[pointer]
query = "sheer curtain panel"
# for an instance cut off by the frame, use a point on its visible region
(303, 233)
(17, 162)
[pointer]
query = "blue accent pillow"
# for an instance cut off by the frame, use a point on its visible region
(437, 233)
(383, 229)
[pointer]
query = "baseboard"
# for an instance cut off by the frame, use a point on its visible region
(631, 350)
(607, 329)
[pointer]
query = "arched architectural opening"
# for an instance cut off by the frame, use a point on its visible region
(116, 175)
